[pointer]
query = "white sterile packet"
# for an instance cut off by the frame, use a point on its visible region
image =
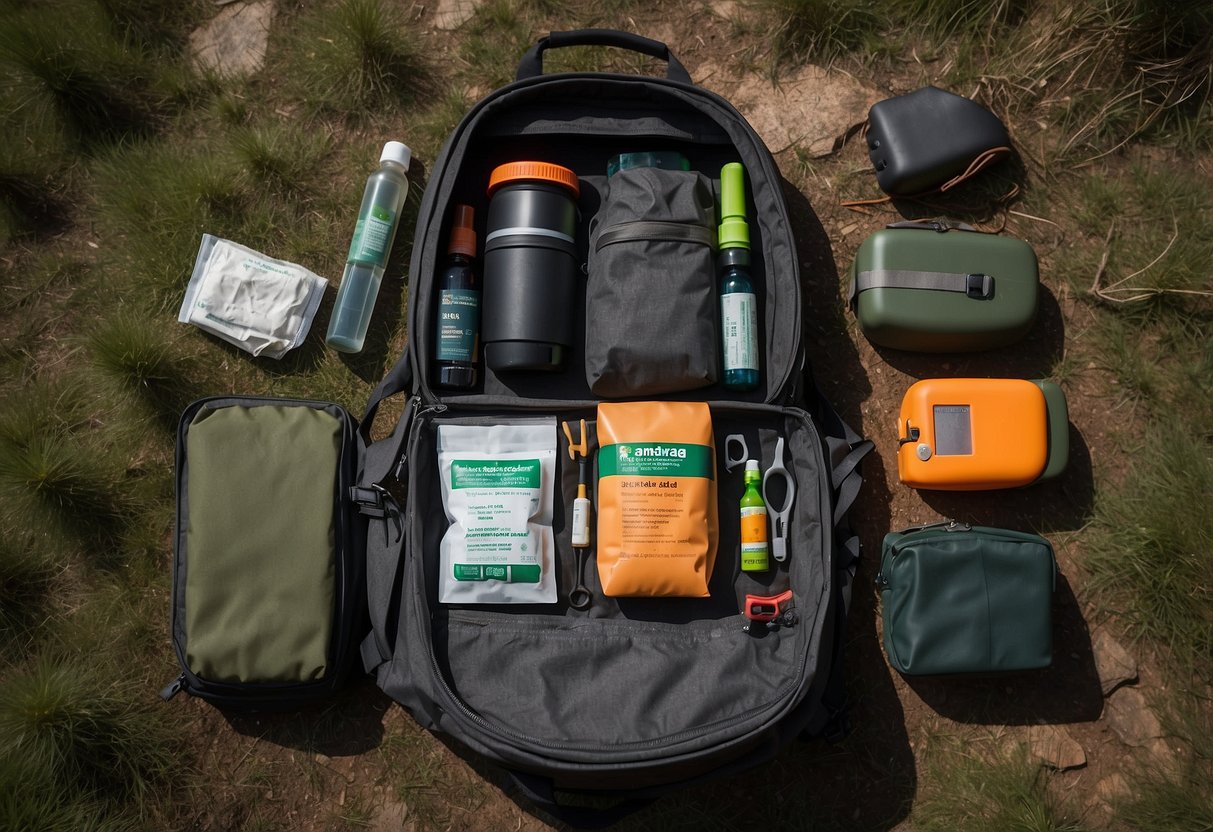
(497, 490)
(262, 305)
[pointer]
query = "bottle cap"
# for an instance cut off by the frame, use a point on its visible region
(751, 465)
(534, 171)
(397, 152)
(664, 159)
(734, 230)
(463, 236)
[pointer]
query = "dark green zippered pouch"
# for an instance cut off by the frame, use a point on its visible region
(961, 599)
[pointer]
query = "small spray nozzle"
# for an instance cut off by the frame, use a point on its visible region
(463, 234)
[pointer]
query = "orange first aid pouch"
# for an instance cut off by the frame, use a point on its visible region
(657, 524)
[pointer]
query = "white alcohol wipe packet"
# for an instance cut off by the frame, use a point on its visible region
(262, 305)
(497, 490)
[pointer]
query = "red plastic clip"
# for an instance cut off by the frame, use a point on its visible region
(770, 609)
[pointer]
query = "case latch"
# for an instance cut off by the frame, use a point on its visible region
(979, 286)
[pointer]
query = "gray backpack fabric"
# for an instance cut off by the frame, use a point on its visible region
(634, 696)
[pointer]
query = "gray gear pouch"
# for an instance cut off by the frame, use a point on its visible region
(651, 285)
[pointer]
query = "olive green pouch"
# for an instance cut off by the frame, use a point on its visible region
(958, 599)
(267, 563)
(936, 287)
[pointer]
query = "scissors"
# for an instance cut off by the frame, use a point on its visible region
(779, 516)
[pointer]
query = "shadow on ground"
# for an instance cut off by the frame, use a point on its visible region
(979, 200)
(1064, 504)
(1032, 358)
(349, 723)
(1069, 691)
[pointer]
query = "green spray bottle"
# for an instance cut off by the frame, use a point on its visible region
(755, 550)
(738, 303)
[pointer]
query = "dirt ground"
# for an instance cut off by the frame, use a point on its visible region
(353, 761)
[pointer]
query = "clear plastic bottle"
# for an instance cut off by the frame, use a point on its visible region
(378, 218)
(738, 303)
(458, 337)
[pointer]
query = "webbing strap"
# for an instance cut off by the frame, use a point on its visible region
(384, 541)
(973, 285)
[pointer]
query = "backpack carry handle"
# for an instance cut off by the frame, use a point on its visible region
(542, 792)
(531, 65)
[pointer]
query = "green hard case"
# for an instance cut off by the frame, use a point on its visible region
(957, 599)
(935, 287)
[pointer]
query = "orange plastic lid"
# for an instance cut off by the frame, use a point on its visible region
(532, 171)
(463, 237)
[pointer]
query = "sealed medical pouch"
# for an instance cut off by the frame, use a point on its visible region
(657, 515)
(261, 305)
(958, 599)
(268, 593)
(936, 287)
(651, 292)
(932, 140)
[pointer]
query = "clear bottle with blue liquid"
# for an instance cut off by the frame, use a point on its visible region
(378, 219)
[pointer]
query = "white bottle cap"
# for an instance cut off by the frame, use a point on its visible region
(751, 465)
(397, 152)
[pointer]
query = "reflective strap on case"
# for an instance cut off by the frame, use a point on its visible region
(976, 286)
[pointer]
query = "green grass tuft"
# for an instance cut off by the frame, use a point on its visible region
(188, 191)
(153, 24)
(280, 156)
(65, 63)
(262, 194)
(966, 793)
(1151, 551)
(138, 358)
(30, 188)
(820, 30)
(60, 487)
(974, 18)
(27, 573)
(89, 738)
(355, 59)
(1101, 74)
(56, 409)
(1178, 796)
(495, 39)
(32, 802)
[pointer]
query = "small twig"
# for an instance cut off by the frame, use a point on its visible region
(1152, 263)
(1111, 293)
(1031, 217)
(1103, 261)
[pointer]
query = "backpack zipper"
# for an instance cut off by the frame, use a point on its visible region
(656, 230)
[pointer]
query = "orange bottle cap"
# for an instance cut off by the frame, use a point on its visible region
(463, 235)
(533, 171)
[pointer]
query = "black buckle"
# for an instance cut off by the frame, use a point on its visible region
(979, 286)
(837, 728)
(369, 501)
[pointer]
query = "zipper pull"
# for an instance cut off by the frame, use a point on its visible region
(414, 411)
(882, 583)
(173, 688)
